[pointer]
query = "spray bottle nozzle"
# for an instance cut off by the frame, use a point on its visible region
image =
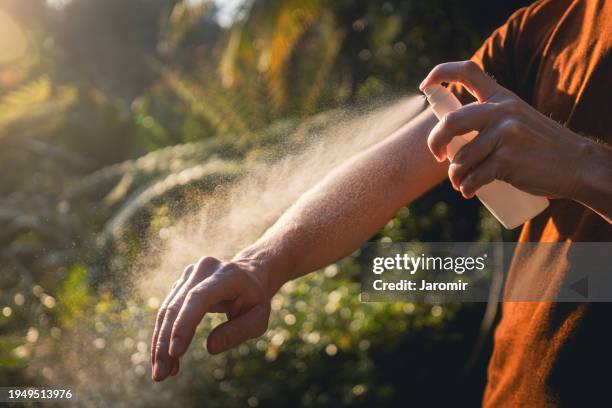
(431, 89)
(436, 93)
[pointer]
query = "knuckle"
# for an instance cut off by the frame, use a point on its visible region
(510, 126)
(453, 171)
(161, 313)
(173, 309)
(207, 261)
(186, 272)
(204, 267)
(436, 70)
(231, 267)
(176, 283)
(470, 66)
(431, 143)
(448, 120)
(160, 347)
(511, 106)
(167, 300)
(233, 270)
(199, 273)
(194, 293)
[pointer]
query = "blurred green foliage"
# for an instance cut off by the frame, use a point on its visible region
(112, 109)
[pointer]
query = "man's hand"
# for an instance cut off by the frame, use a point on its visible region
(516, 143)
(238, 288)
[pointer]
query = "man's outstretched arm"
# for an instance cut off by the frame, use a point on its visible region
(350, 205)
(328, 222)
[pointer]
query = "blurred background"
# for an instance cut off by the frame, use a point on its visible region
(104, 102)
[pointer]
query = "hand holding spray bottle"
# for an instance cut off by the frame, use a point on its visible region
(511, 206)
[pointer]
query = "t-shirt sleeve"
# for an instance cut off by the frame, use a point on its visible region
(512, 51)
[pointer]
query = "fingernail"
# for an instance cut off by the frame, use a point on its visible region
(176, 347)
(160, 370)
(421, 84)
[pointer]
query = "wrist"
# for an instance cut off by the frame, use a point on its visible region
(594, 175)
(268, 263)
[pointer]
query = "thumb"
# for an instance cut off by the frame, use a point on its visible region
(230, 334)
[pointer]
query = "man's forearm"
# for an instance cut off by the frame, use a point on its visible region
(349, 205)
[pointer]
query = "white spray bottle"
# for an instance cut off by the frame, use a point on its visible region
(511, 206)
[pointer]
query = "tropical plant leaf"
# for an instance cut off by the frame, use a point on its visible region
(150, 166)
(328, 46)
(210, 102)
(207, 175)
(182, 17)
(294, 17)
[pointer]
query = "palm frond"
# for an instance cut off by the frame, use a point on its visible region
(138, 171)
(207, 175)
(209, 102)
(294, 17)
(265, 41)
(182, 17)
(227, 67)
(328, 47)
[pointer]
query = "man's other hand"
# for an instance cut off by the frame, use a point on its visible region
(516, 143)
(238, 288)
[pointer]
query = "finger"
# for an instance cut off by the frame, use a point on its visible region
(470, 155)
(162, 310)
(475, 116)
(198, 302)
(175, 367)
(467, 73)
(222, 307)
(230, 334)
(482, 175)
(162, 365)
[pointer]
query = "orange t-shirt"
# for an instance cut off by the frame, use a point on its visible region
(555, 54)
